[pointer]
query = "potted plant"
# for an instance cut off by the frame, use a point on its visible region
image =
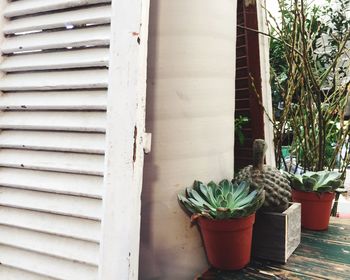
(315, 192)
(225, 213)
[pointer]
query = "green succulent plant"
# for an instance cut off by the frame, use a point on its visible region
(321, 181)
(225, 200)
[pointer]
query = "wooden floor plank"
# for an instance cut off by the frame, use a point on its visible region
(321, 256)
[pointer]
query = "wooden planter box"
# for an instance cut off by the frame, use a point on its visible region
(277, 235)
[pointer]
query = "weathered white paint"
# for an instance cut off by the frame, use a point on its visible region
(45, 265)
(119, 254)
(54, 182)
(28, 7)
(91, 36)
(3, 22)
(52, 245)
(71, 206)
(90, 15)
(53, 141)
(65, 121)
(10, 273)
(58, 225)
(265, 81)
(51, 161)
(83, 79)
(57, 60)
(55, 100)
(190, 113)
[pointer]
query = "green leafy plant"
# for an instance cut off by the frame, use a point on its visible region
(322, 181)
(225, 200)
(240, 122)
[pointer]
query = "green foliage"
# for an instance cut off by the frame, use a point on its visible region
(322, 181)
(225, 200)
(240, 122)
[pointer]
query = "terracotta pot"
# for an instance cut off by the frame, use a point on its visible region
(228, 242)
(315, 208)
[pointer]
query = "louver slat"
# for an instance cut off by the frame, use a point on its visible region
(59, 225)
(64, 183)
(54, 100)
(10, 273)
(20, 8)
(62, 247)
(53, 141)
(46, 265)
(94, 15)
(56, 60)
(93, 36)
(65, 121)
(71, 206)
(53, 161)
(87, 79)
(54, 84)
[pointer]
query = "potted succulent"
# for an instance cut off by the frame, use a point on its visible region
(315, 192)
(225, 213)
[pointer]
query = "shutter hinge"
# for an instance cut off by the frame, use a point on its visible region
(147, 142)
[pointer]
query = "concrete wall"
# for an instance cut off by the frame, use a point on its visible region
(190, 112)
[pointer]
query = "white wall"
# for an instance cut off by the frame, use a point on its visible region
(190, 112)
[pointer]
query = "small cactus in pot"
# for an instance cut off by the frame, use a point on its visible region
(273, 181)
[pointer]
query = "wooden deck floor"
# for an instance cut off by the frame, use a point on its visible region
(321, 255)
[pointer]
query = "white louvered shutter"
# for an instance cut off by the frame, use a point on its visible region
(53, 120)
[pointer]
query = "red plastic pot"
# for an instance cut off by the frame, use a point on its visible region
(315, 208)
(228, 242)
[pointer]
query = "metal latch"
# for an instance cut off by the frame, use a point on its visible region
(147, 142)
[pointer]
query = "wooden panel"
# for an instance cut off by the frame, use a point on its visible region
(77, 228)
(56, 60)
(51, 161)
(93, 36)
(93, 15)
(126, 114)
(20, 8)
(46, 265)
(63, 247)
(93, 143)
(51, 203)
(253, 60)
(65, 183)
(257, 271)
(277, 235)
(84, 79)
(9, 273)
(54, 100)
(67, 121)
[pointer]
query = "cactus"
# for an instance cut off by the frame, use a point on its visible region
(273, 181)
(223, 201)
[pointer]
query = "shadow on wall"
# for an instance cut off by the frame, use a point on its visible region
(160, 242)
(147, 259)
